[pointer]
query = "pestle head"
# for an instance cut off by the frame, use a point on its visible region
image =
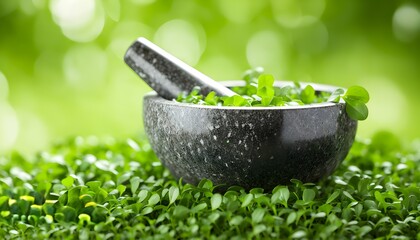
(166, 74)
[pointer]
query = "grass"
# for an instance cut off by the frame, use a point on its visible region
(86, 189)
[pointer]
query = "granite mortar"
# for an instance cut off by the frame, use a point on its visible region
(249, 146)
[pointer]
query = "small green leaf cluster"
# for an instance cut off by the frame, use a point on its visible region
(260, 91)
(356, 98)
(86, 189)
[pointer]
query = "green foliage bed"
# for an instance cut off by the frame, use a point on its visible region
(83, 189)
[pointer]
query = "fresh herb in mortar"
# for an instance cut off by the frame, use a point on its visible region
(260, 91)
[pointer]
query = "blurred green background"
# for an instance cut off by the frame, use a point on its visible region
(62, 73)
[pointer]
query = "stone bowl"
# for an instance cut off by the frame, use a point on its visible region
(249, 146)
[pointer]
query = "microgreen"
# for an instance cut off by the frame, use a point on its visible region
(259, 91)
(67, 193)
(265, 89)
(308, 94)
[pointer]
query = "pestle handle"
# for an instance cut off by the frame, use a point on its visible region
(166, 74)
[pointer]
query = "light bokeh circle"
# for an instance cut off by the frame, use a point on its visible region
(79, 20)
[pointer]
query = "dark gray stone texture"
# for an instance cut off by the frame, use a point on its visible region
(166, 74)
(249, 147)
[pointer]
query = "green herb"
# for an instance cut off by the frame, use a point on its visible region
(308, 94)
(260, 91)
(85, 189)
(265, 89)
(356, 98)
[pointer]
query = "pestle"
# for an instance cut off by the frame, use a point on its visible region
(166, 74)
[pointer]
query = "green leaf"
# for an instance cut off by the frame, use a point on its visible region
(363, 231)
(299, 234)
(213, 217)
(199, 207)
(251, 89)
(101, 195)
(357, 93)
(281, 195)
(258, 215)
(251, 76)
(181, 212)
(333, 196)
(68, 181)
(266, 101)
(154, 199)
(238, 100)
(347, 194)
(379, 197)
(227, 101)
(259, 229)
(247, 200)
(216, 201)
(69, 213)
(135, 183)
(308, 94)
(326, 208)
(121, 189)
(4, 201)
(48, 207)
(173, 194)
(285, 91)
(308, 195)
(84, 218)
(73, 197)
(336, 95)
(94, 185)
(291, 218)
(147, 210)
(112, 8)
(36, 210)
(278, 101)
(143, 195)
(236, 221)
(211, 98)
(206, 184)
(356, 110)
(4, 214)
(265, 89)
(85, 198)
(265, 81)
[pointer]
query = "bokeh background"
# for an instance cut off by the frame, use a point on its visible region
(62, 73)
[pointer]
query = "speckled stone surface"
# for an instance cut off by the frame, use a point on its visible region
(166, 74)
(249, 147)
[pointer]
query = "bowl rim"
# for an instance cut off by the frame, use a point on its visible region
(277, 83)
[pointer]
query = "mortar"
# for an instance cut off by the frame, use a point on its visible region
(249, 146)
